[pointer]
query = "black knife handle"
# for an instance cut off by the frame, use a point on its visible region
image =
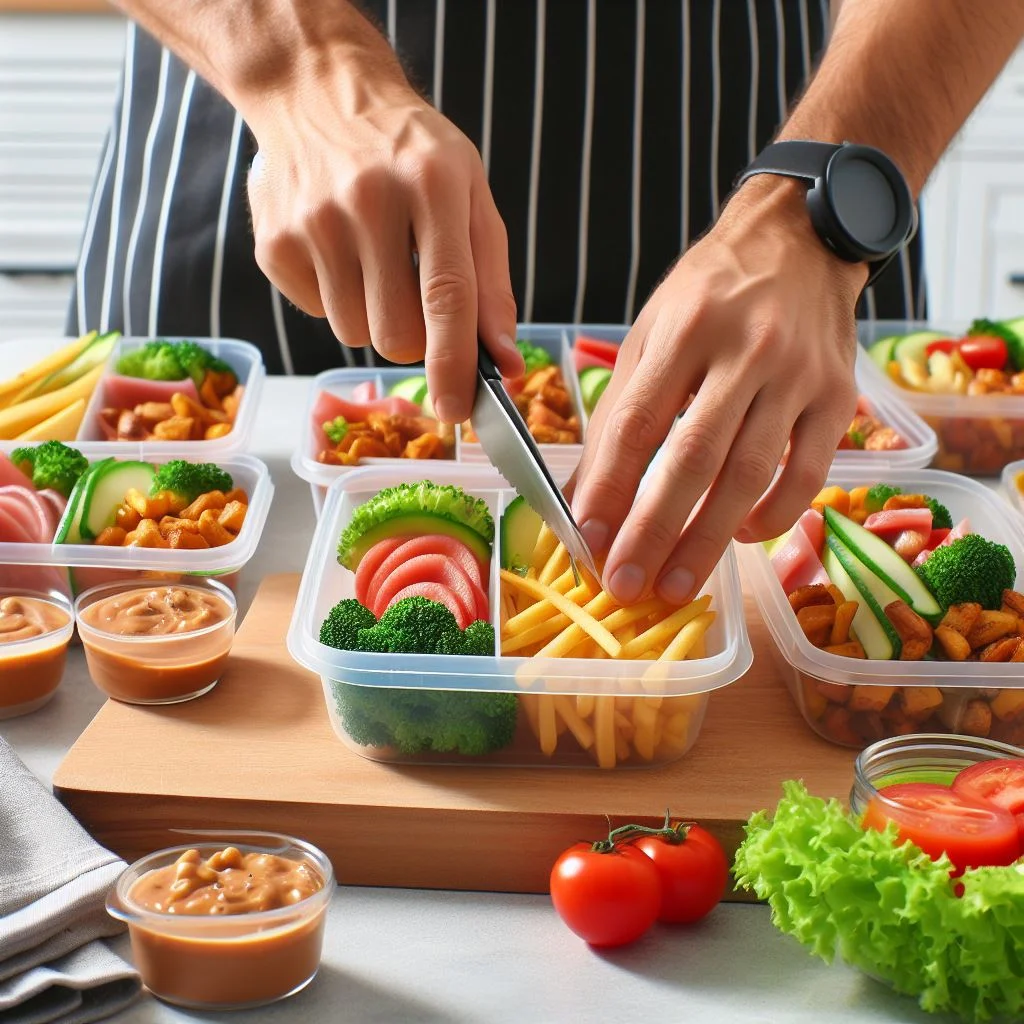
(485, 364)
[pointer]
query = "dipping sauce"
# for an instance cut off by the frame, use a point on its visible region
(156, 644)
(34, 636)
(224, 927)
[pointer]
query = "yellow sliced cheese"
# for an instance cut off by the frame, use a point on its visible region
(55, 361)
(61, 426)
(19, 418)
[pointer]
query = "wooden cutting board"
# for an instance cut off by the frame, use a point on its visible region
(259, 752)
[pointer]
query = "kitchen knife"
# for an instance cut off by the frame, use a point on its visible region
(507, 442)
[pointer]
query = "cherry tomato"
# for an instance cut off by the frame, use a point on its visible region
(946, 345)
(693, 871)
(999, 782)
(938, 820)
(984, 352)
(607, 899)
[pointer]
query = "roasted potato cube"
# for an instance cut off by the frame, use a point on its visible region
(989, 627)
(1001, 650)
(841, 626)
(186, 539)
(1013, 601)
(920, 701)
(147, 535)
(236, 494)
(208, 393)
(177, 428)
(813, 594)
(953, 644)
(216, 430)
(169, 523)
(127, 518)
(232, 516)
(834, 497)
(816, 621)
(814, 702)
(976, 719)
(837, 693)
(850, 649)
(212, 532)
(837, 725)
(1007, 704)
(915, 634)
(112, 536)
(870, 698)
(212, 499)
(961, 617)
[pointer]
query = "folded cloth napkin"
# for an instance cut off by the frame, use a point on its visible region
(54, 879)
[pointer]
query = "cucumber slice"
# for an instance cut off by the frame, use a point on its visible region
(881, 351)
(520, 527)
(912, 348)
(593, 381)
(412, 389)
(69, 531)
(875, 632)
(873, 553)
(107, 489)
(91, 356)
(1016, 328)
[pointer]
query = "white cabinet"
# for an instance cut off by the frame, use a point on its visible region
(973, 212)
(58, 76)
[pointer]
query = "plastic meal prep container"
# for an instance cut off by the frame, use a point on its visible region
(72, 568)
(1013, 482)
(812, 675)
(977, 434)
(560, 458)
(679, 690)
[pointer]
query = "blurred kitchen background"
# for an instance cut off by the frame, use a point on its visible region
(59, 65)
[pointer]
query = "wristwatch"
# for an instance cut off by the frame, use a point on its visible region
(858, 201)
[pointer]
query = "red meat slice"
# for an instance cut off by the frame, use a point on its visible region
(888, 524)
(433, 569)
(797, 563)
(12, 526)
(429, 544)
(10, 475)
(369, 565)
(128, 392)
(598, 348)
(34, 512)
(962, 529)
(584, 360)
(57, 502)
(365, 392)
(435, 592)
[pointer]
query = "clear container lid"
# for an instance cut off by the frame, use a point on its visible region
(965, 498)
(966, 406)
(244, 358)
(246, 472)
(1013, 483)
(325, 582)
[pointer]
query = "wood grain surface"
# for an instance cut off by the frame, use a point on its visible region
(259, 752)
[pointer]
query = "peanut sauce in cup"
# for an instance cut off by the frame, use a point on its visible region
(35, 630)
(156, 642)
(234, 921)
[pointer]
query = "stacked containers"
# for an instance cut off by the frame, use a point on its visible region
(873, 692)
(1013, 482)
(600, 693)
(977, 434)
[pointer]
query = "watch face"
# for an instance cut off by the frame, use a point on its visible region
(869, 199)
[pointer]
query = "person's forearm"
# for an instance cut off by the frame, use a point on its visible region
(252, 50)
(904, 75)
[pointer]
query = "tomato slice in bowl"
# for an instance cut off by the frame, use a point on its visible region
(999, 782)
(939, 820)
(607, 351)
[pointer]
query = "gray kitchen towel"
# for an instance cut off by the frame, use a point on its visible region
(54, 879)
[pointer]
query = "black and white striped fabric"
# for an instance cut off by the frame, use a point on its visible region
(611, 132)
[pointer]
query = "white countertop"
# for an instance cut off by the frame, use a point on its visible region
(403, 955)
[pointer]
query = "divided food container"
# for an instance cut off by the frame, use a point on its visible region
(856, 702)
(603, 697)
(977, 434)
(71, 568)
(123, 392)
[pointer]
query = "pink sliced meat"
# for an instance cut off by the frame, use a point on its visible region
(812, 525)
(962, 529)
(433, 569)
(796, 562)
(36, 513)
(435, 592)
(13, 529)
(369, 565)
(328, 407)
(57, 502)
(128, 392)
(10, 475)
(430, 544)
(584, 360)
(365, 392)
(893, 522)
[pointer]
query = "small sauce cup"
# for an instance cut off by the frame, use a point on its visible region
(213, 961)
(137, 667)
(32, 666)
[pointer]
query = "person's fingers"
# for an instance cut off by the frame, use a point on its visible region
(749, 467)
(812, 450)
(635, 421)
(447, 292)
(340, 276)
(496, 305)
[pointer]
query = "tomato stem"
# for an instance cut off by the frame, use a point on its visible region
(625, 834)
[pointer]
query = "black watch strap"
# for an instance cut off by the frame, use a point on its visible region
(806, 160)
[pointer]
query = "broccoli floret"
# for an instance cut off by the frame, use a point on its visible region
(422, 626)
(478, 639)
(344, 622)
(941, 519)
(439, 501)
(51, 465)
(856, 438)
(190, 479)
(878, 496)
(971, 569)
(196, 361)
(535, 357)
(156, 360)
(415, 721)
(1014, 342)
(336, 429)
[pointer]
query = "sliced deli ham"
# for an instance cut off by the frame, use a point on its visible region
(35, 513)
(962, 529)
(328, 407)
(128, 392)
(888, 524)
(10, 475)
(797, 562)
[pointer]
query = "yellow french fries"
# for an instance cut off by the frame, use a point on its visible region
(16, 419)
(61, 426)
(10, 389)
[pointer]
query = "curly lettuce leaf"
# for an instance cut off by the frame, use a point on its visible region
(888, 910)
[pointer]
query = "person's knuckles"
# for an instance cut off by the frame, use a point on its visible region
(752, 469)
(696, 450)
(448, 294)
(634, 425)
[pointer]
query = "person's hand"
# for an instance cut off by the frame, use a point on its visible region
(757, 322)
(355, 173)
